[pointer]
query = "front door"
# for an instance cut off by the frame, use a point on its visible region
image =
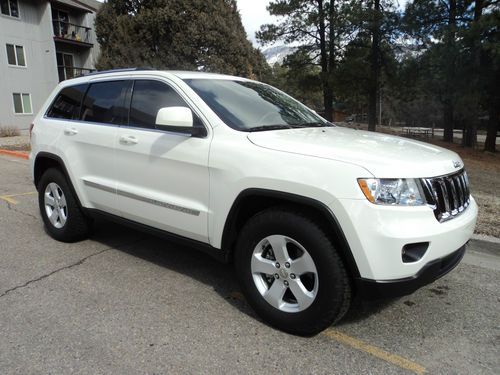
(162, 177)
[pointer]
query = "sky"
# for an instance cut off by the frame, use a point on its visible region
(253, 14)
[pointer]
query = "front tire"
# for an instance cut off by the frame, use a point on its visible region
(290, 272)
(61, 214)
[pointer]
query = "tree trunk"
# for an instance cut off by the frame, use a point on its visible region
(448, 122)
(450, 74)
(329, 94)
(328, 101)
(470, 133)
(469, 137)
(493, 128)
(374, 67)
(325, 75)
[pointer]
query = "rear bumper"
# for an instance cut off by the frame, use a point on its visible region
(372, 289)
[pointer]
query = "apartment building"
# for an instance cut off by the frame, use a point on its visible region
(42, 43)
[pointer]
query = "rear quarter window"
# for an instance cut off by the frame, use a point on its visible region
(68, 103)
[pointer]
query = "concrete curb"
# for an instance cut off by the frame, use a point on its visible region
(484, 246)
(17, 154)
(485, 238)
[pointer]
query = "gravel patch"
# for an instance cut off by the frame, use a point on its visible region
(20, 142)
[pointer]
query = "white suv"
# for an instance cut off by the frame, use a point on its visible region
(311, 214)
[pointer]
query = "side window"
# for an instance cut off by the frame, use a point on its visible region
(104, 102)
(67, 103)
(147, 98)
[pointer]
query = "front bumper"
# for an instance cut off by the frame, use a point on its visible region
(377, 236)
(372, 289)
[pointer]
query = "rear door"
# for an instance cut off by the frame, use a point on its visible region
(162, 176)
(88, 143)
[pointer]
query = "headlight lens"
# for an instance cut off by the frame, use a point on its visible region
(392, 191)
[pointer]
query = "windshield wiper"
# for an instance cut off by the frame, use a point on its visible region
(316, 124)
(269, 127)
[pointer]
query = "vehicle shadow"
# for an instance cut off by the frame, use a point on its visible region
(175, 257)
(201, 267)
(362, 310)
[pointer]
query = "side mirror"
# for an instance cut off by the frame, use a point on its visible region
(175, 118)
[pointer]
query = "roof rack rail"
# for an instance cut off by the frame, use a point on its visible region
(119, 70)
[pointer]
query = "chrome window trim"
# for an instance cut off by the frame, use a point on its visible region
(163, 80)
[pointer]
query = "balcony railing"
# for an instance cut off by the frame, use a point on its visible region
(67, 72)
(70, 32)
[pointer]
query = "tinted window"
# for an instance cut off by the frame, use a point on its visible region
(104, 102)
(67, 103)
(147, 98)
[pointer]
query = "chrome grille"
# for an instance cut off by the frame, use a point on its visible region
(448, 195)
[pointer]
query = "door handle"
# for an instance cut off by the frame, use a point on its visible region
(128, 140)
(70, 131)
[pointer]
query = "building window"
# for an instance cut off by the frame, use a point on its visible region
(65, 66)
(15, 55)
(9, 8)
(60, 21)
(22, 103)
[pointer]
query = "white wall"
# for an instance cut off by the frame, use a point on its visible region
(33, 30)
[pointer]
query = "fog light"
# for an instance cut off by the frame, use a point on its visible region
(413, 252)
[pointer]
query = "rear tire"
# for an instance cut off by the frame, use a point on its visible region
(327, 294)
(61, 214)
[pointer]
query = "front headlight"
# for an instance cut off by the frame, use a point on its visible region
(392, 191)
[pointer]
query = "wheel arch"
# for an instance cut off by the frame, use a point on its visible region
(251, 201)
(46, 160)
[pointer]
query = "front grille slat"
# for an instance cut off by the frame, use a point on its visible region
(460, 190)
(449, 194)
(444, 192)
(453, 196)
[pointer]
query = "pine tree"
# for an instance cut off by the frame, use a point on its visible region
(176, 34)
(319, 27)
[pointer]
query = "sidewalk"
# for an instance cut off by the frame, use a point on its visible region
(16, 146)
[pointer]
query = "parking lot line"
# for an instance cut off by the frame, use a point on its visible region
(9, 198)
(393, 359)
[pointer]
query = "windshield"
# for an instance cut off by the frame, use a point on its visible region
(253, 106)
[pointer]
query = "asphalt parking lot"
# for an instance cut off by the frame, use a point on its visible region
(124, 302)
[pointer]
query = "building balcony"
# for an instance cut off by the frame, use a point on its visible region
(66, 32)
(67, 72)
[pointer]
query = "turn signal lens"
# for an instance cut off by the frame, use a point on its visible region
(392, 191)
(363, 184)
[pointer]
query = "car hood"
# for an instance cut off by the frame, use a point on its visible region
(383, 155)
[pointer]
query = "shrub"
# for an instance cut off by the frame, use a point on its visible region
(9, 131)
